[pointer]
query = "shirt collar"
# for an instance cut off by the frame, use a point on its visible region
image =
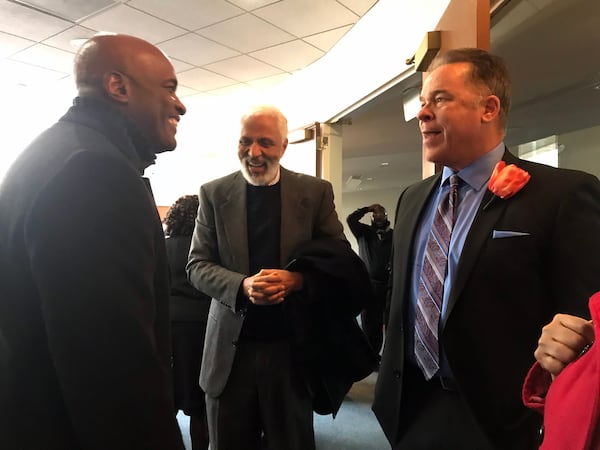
(478, 173)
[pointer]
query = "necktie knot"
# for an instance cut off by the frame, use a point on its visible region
(454, 181)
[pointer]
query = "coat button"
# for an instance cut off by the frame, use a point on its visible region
(234, 343)
(397, 374)
(541, 435)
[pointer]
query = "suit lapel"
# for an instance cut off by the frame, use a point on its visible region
(408, 217)
(481, 229)
(235, 224)
(294, 212)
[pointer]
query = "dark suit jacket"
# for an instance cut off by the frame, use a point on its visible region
(84, 293)
(504, 292)
(328, 344)
(219, 254)
(187, 303)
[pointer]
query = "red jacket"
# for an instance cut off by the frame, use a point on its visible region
(570, 404)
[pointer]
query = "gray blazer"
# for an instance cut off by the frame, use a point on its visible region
(219, 260)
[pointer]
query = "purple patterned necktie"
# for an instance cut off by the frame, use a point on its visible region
(431, 282)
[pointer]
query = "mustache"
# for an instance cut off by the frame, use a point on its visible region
(260, 160)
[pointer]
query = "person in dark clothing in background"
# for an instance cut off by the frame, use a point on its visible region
(189, 313)
(374, 247)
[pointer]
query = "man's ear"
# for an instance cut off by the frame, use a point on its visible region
(116, 86)
(491, 108)
(285, 144)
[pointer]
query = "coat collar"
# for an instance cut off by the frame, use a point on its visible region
(102, 116)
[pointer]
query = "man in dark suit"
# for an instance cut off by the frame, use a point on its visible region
(512, 264)
(84, 292)
(249, 225)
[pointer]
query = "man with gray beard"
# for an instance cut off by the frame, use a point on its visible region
(262, 318)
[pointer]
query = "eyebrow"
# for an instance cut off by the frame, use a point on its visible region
(437, 92)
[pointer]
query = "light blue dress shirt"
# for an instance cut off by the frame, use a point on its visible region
(474, 179)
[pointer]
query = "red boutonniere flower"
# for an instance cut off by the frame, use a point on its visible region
(506, 181)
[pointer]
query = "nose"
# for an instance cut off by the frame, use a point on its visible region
(424, 114)
(254, 150)
(179, 106)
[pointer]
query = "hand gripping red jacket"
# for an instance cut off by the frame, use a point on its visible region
(570, 403)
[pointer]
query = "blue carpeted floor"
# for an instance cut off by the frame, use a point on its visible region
(354, 427)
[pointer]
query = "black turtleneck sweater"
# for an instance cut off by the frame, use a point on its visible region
(264, 237)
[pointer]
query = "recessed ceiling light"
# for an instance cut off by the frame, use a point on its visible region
(384, 164)
(370, 179)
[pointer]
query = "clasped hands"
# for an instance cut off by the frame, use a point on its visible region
(271, 286)
(562, 341)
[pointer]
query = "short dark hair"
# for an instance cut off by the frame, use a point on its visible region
(181, 216)
(487, 69)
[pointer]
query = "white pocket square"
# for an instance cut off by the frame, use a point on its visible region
(499, 234)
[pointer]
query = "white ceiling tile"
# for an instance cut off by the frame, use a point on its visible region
(123, 19)
(243, 68)
(250, 5)
(10, 44)
(190, 14)
(184, 91)
(237, 89)
(46, 56)
(290, 56)
(63, 40)
(71, 10)
(359, 7)
(246, 33)
(28, 23)
(326, 40)
(196, 50)
(268, 82)
(180, 66)
(307, 17)
(15, 72)
(203, 80)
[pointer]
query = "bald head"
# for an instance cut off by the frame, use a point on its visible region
(137, 78)
(103, 54)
